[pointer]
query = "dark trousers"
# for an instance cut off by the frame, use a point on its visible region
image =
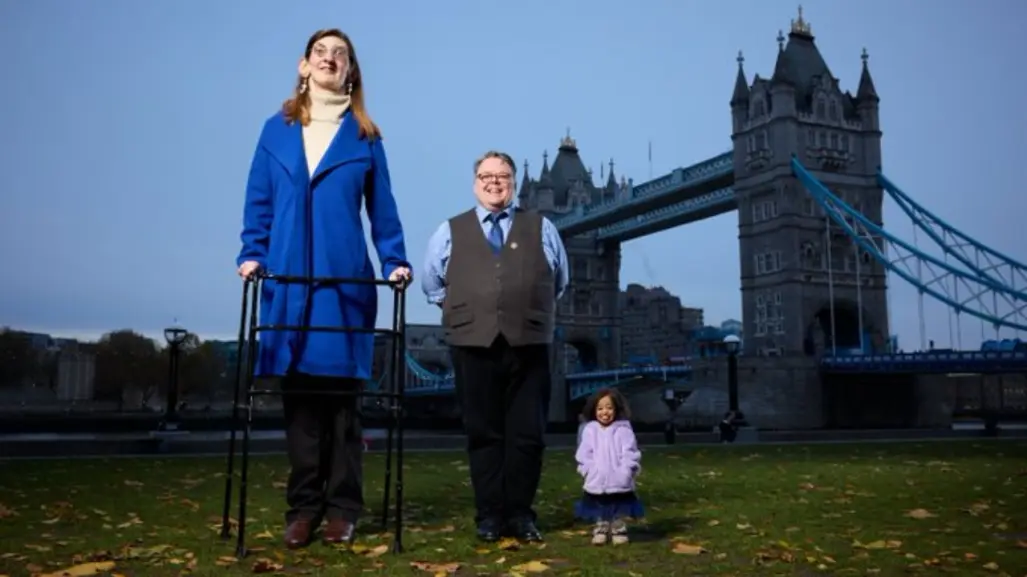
(504, 397)
(325, 447)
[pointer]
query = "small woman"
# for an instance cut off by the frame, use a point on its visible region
(318, 161)
(608, 460)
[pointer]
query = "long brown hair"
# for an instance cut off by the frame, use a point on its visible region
(297, 107)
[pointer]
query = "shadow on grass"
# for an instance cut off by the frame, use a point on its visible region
(642, 531)
(660, 529)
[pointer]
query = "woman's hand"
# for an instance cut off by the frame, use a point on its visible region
(248, 268)
(401, 275)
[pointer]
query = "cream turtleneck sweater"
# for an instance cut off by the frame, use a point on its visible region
(326, 110)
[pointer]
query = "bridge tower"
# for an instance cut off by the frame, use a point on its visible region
(588, 319)
(792, 263)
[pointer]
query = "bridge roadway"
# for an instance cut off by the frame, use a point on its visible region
(688, 190)
(215, 444)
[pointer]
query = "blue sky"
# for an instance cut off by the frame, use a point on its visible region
(128, 128)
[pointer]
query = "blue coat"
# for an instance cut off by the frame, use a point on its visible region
(298, 224)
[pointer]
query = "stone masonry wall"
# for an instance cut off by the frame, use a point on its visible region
(773, 392)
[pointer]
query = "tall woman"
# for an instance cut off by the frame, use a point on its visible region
(318, 160)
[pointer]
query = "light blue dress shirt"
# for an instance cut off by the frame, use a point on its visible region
(440, 247)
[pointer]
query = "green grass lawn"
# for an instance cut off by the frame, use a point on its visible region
(883, 509)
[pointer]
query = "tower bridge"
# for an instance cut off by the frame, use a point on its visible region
(804, 175)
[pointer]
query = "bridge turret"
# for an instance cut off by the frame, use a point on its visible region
(544, 189)
(786, 285)
(868, 107)
(782, 88)
(739, 98)
(610, 190)
(524, 196)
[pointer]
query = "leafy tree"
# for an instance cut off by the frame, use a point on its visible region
(202, 369)
(18, 362)
(127, 360)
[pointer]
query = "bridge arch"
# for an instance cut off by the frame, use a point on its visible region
(818, 333)
(580, 353)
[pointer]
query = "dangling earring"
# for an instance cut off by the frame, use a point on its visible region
(303, 85)
(349, 88)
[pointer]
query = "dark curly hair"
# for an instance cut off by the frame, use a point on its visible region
(621, 409)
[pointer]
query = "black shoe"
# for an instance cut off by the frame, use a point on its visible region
(525, 530)
(489, 530)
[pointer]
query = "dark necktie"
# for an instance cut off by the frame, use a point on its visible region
(496, 232)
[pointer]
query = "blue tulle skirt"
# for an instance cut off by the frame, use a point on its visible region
(608, 507)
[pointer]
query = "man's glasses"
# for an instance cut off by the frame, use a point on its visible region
(489, 177)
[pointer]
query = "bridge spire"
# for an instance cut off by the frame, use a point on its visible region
(740, 95)
(866, 92)
(800, 26)
(567, 142)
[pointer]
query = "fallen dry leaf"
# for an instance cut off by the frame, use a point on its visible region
(508, 544)
(265, 565)
(687, 549)
(920, 514)
(83, 570)
(436, 568)
(530, 567)
(879, 544)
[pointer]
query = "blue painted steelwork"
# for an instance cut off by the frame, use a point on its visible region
(930, 362)
(1004, 345)
(420, 381)
(984, 295)
(580, 389)
(984, 261)
(648, 196)
(637, 371)
(581, 385)
(698, 208)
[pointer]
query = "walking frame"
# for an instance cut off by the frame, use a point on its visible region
(392, 398)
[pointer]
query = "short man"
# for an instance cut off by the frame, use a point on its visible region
(497, 272)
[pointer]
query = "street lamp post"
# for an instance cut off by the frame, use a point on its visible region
(732, 344)
(175, 337)
(735, 418)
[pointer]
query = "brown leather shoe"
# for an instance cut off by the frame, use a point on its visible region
(297, 534)
(337, 532)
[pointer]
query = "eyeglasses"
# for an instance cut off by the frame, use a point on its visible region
(489, 177)
(337, 53)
